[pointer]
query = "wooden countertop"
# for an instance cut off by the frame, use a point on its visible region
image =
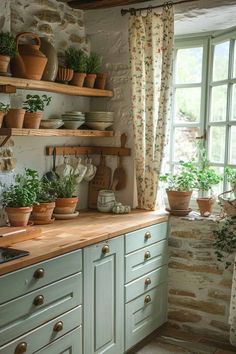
(88, 228)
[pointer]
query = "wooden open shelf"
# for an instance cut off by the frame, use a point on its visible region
(51, 87)
(55, 132)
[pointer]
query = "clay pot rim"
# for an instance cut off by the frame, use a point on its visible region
(177, 192)
(43, 203)
(75, 198)
(5, 56)
(206, 198)
(17, 109)
(29, 208)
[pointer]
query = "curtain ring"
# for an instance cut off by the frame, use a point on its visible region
(168, 5)
(132, 11)
(149, 10)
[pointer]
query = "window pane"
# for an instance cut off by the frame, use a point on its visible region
(218, 103)
(234, 73)
(221, 61)
(232, 158)
(234, 103)
(185, 143)
(187, 104)
(189, 65)
(217, 144)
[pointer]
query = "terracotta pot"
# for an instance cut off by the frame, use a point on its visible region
(32, 120)
(205, 206)
(18, 216)
(89, 80)
(50, 71)
(2, 114)
(64, 75)
(30, 62)
(66, 205)
(179, 200)
(100, 82)
(78, 79)
(4, 61)
(14, 118)
(43, 212)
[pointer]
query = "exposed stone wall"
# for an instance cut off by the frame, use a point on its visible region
(5, 15)
(199, 286)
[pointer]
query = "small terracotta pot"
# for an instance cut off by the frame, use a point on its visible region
(64, 75)
(101, 80)
(18, 216)
(66, 205)
(2, 114)
(43, 212)
(179, 200)
(78, 79)
(89, 80)
(32, 120)
(4, 62)
(14, 118)
(205, 206)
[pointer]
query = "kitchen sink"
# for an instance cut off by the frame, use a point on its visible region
(8, 254)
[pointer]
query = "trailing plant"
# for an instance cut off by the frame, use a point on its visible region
(76, 59)
(35, 103)
(225, 242)
(94, 61)
(4, 107)
(65, 186)
(7, 44)
(184, 180)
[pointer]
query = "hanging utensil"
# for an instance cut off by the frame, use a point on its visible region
(120, 173)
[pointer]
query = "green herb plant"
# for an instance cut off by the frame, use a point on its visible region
(76, 59)
(65, 186)
(45, 192)
(184, 180)
(4, 107)
(230, 174)
(35, 103)
(7, 44)
(94, 61)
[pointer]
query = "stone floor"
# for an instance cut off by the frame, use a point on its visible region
(172, 341)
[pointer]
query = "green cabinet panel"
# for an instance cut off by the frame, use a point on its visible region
(104, 298)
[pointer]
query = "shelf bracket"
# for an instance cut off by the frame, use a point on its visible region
(5, 141)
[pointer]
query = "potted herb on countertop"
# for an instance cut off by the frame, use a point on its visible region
(76, 59)
(34, 106)
(93, 67)
(7, 50)
(4, 108)
(230, 174)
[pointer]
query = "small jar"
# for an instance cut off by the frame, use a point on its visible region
(106, 201)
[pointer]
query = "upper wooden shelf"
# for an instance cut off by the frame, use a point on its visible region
(55, 132)
(53, 87)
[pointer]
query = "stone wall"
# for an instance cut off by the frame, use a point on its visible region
(199, 286)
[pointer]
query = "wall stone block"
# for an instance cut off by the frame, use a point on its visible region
(173, 242)
(48, 16)
(202, 268)
(45, 28)
(218, 294)
(220, 325)
(181, 292)
(46, 3)
(203, 306)
(184, 316)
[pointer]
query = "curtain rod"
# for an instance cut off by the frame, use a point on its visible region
(167, 4)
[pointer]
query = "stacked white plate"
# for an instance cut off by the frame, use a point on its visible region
(99, 120)
(73, 119)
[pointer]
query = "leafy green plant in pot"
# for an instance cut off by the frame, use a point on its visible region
(93, 67)
(180, 187)
(34, 106)
(76, 60)
(230, 174)
(20, 196)
(4, 108)
(7, 50)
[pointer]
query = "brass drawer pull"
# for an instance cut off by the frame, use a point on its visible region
(58, 327)
(39, 300)
(105, 249)
(147, 235)
(39, 273)
(147, 281)
(147, 299)
(147, 255)
(21, 348)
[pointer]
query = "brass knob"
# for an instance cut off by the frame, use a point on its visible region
(105, 249)
(39, 273)
(147, 255)
(147, 235)
(39, 300)
(21, 348)
(58, 327)
(147, 299)
(147, 281)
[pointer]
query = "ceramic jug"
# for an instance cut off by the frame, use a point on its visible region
(106, 201)
(50, 71)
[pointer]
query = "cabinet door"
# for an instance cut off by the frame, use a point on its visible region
(104, 297)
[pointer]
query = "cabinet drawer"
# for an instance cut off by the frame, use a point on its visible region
(32, 310)
(145, 283)
(145, 237)
(71, 343)
(45, 334)
(39, 275)
(143, 317)
(145, 260)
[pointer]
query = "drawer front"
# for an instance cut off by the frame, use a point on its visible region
(145, 260)
(144, 314)
(145, 237)
(39, 275)
(44, 335)
(145, 283)
(27, 312)
(71, 343)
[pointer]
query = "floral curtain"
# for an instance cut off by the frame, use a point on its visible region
(232, 315)
(151, 53)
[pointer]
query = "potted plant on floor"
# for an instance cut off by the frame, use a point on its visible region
(19, 198)
(4, 108)
(76, 60)
(7, 50)
(93, 67)
(34, 106)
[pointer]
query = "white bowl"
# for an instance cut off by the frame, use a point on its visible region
(98, 125)
(72, 124)
(51, 124)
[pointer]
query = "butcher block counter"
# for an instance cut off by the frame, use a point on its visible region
(88, 228)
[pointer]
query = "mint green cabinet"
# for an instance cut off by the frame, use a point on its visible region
(104, 297)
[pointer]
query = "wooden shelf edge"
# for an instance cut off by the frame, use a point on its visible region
(54, 87)
(55, 132)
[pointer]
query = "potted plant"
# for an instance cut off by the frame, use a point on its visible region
(19, 198)
(93, 66)
(14, 118)
(34, 106)
(230, 174)
(65, 187)
(101, 79)
(180, 188)
(7, 50)
(76, 60)
(4, 108)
